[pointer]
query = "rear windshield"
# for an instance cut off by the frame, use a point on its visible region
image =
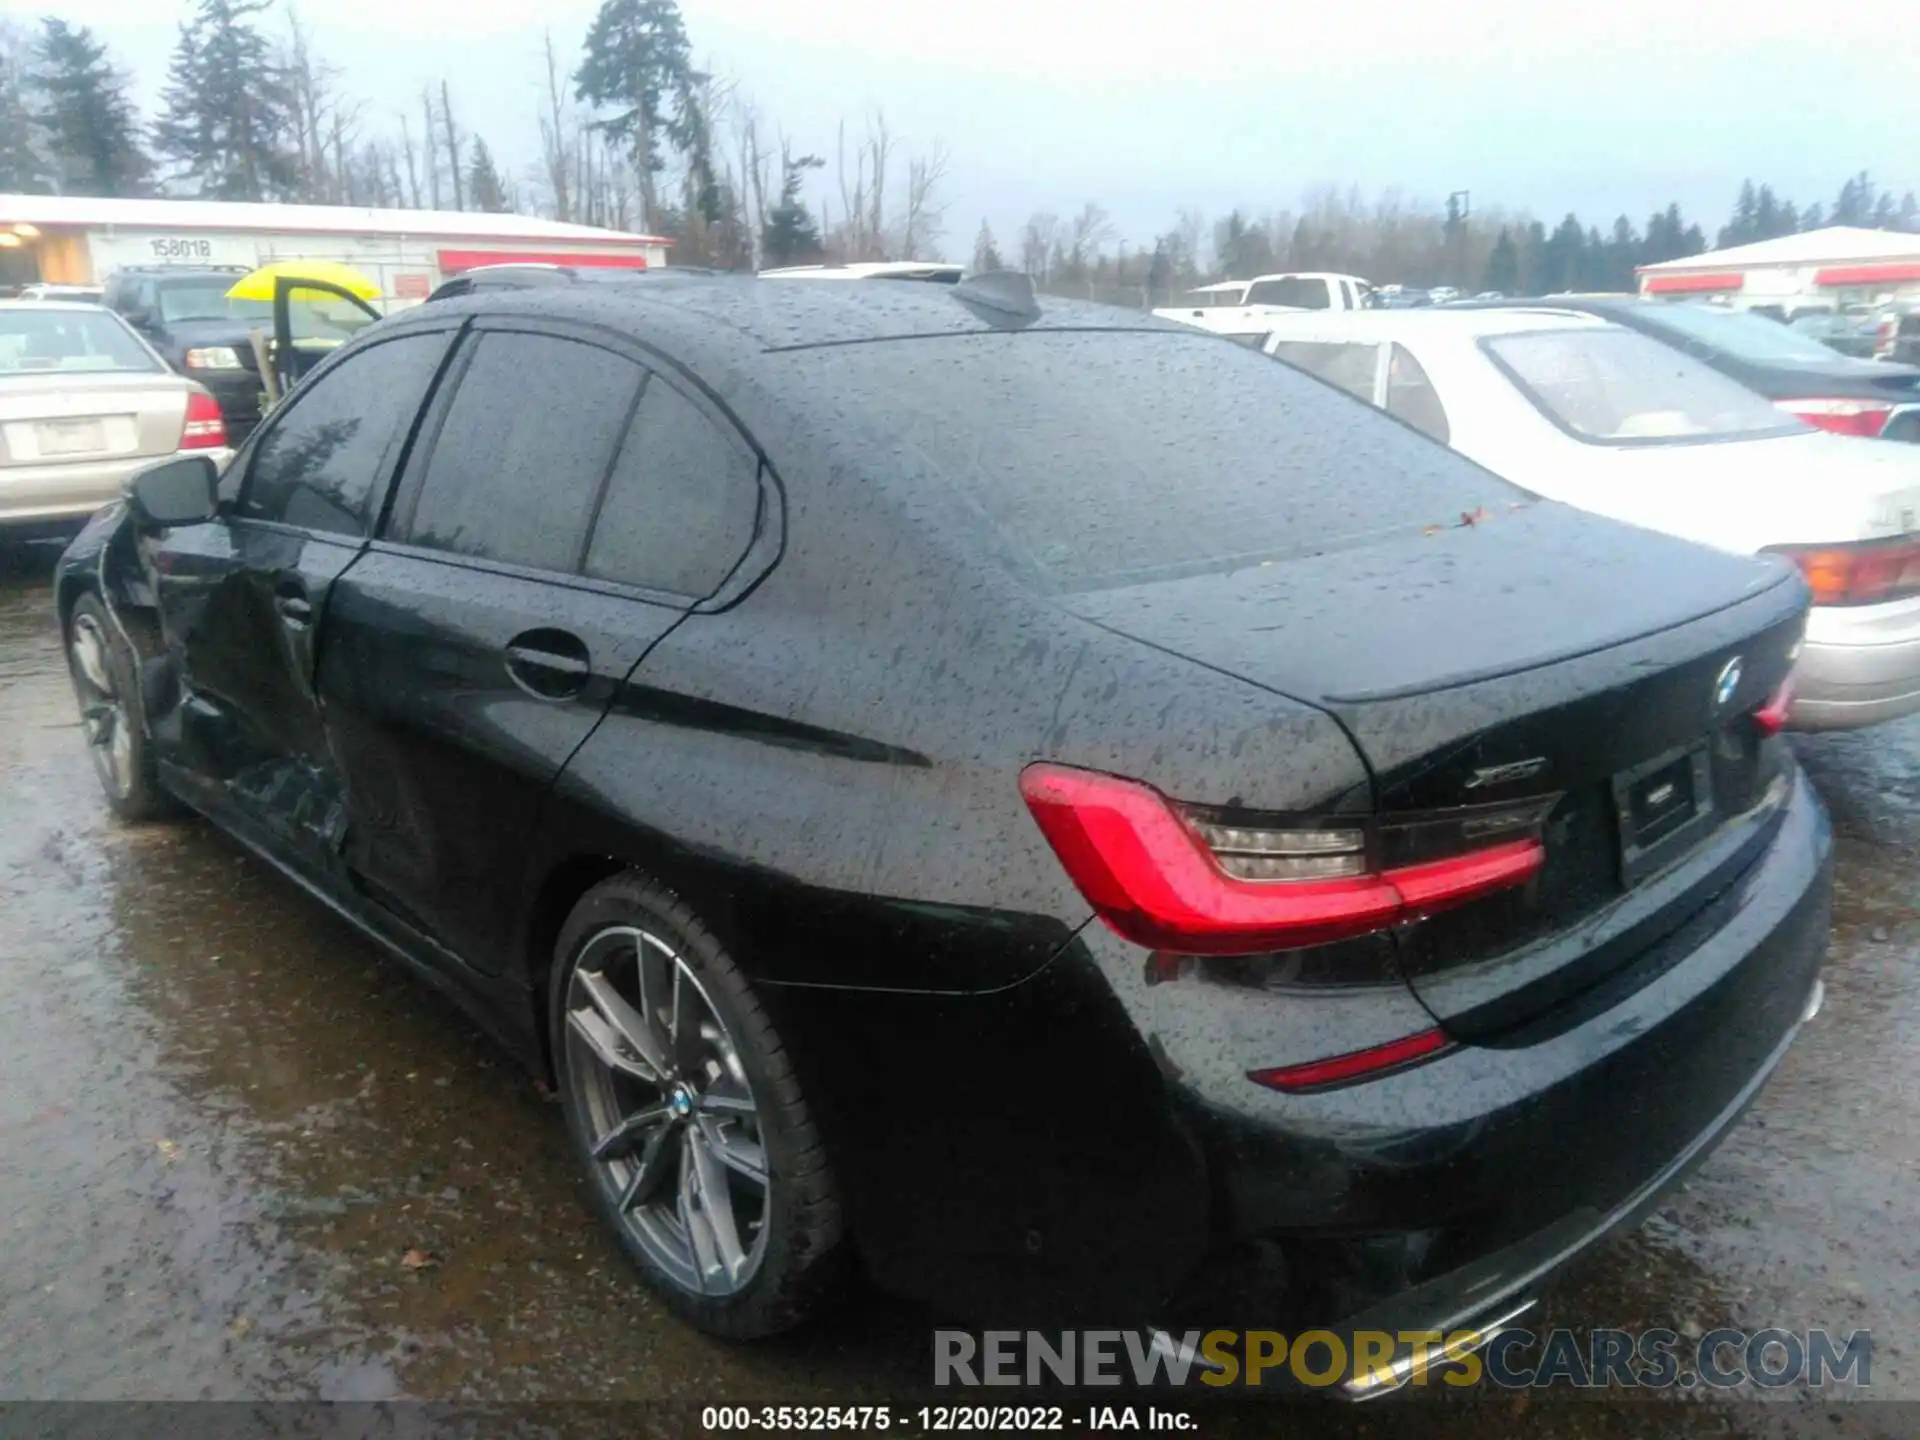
(1745, 337)
(40, 341)
(1117, 457)
(207, 300)
(1618, 387)
(1294, 290)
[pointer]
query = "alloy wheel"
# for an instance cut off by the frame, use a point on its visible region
(672, 1125)
(103, 713)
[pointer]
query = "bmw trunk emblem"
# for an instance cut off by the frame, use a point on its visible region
(1725, 687)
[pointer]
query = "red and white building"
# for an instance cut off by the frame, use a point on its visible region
(79, 241)
(1841, 265)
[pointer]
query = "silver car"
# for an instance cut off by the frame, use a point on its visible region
(84, 402)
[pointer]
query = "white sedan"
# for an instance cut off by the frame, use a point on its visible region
(1581, 410)
(85, 402)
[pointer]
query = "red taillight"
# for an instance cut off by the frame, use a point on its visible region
(205, 429)
(1861, 572)
(1772, 716)
(1145, 869)
(1862, 418)
(1355, 1065)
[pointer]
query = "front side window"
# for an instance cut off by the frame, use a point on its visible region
(67, 342)
(1609, 386)
(1351, 366)
(524, 449)
(681, 504)
(316, 467)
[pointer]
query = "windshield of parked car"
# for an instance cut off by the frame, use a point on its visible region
(1744, 337)
(1611, 386)
(1295, 290)
(1110, 458)
(207, 300)
(41, 340)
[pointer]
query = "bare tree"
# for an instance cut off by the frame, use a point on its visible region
(453, 147)
(431, 158)
(555, 147)
(755, 176)
(921, 221)
(1038, 239)
(880, 153)
(413, 172)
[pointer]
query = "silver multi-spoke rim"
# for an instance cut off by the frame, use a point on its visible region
(103, 716)
(673, 1129)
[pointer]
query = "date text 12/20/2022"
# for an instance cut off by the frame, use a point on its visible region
(977, 1419)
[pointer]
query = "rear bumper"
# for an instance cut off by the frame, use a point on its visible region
(46, 496)
(1442, 1197)
(1860, 666)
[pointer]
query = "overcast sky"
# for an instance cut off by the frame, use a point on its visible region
(1046, 104)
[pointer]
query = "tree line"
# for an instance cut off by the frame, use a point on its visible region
(633, 135)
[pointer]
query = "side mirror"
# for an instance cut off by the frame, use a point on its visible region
(181, 491)
(139, 318)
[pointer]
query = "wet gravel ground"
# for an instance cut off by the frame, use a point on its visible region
(225, 1122)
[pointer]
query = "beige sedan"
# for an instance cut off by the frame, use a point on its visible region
(84, 402)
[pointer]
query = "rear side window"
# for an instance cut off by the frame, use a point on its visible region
(317, 464)
(681, 505)
(523, 450)
(1350, 366)
(1411, 396)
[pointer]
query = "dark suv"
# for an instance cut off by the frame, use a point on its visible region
(1017, 794)
(184, 313)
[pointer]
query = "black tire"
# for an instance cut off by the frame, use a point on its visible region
(129, 780)
(803, 1264)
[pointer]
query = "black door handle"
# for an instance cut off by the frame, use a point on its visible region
(549, 664)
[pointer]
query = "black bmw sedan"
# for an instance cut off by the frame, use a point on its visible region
(1067, 817)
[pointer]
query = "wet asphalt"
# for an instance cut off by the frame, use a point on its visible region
(243, 1157)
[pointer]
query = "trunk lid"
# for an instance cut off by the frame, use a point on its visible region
(1538, 655)
(53, 419)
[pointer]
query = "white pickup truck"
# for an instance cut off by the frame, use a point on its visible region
(1242, 308)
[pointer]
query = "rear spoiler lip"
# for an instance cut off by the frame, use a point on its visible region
(1786, 575)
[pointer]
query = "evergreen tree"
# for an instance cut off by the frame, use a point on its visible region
(1771, 218)
(23, 170)
(484, 187)
(1744, 227)
(1886, 215)
(1789, 219)
(1855, 205)
(92, 136)
(1622, 250)
(1813, 217)
(1533, 260)
(986, 254)
(1560, 262)
(1909, 217)
(639, 62)
(790, 234)
(229, 123)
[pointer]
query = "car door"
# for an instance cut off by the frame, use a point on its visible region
(311, 319)
(242, 599)
(482, 637)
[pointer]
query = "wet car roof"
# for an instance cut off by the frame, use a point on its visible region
(783, 315)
